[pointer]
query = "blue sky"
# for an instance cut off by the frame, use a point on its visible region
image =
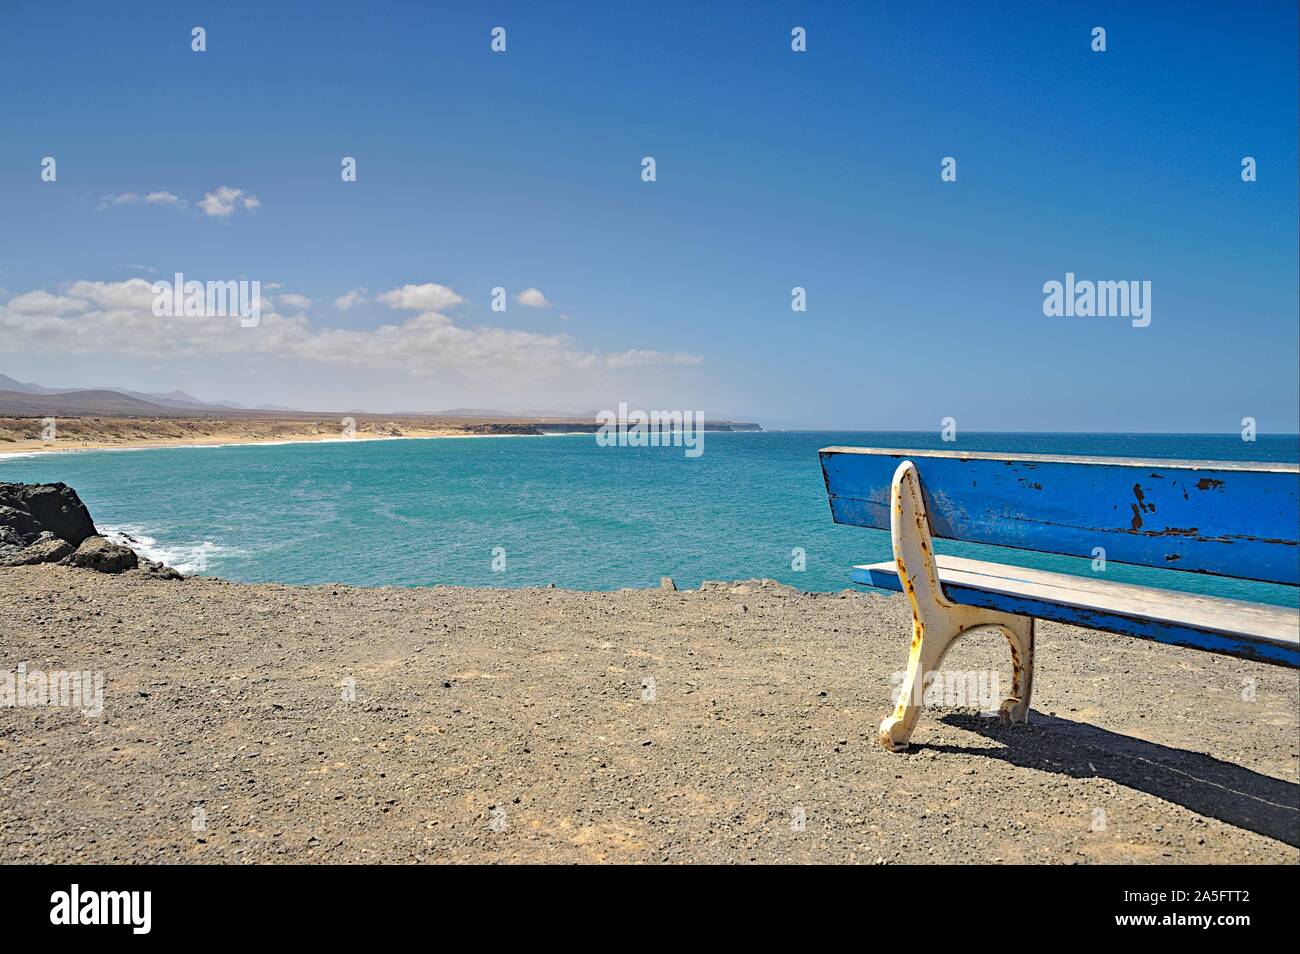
(775, 169)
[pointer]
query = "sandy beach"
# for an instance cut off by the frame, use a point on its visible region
(270, 723)
(121, 433)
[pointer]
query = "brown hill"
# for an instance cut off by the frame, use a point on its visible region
(81, 403)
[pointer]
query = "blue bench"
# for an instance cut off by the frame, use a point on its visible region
(1223, 519)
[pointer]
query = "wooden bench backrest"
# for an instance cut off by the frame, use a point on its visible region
(1220, 517)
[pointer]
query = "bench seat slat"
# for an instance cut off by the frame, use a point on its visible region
(1232, 627)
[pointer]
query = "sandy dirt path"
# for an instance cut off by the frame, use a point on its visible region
(507, 726)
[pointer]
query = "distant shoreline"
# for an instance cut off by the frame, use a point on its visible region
(24, 435)
(122, 434)
(41, 448)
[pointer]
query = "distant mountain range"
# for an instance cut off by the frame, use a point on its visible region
(24, 399)
(111, 399)
(178, 399)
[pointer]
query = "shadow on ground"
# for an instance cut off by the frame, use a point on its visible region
(1208, 786)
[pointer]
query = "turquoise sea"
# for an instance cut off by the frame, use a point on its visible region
(560, 508)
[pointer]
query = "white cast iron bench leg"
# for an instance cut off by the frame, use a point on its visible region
(937, 623)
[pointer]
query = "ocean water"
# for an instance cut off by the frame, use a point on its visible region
(559, 509)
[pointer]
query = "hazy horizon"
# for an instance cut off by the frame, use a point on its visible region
(577, 415)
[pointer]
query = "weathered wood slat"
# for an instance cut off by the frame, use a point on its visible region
(1231, 627)
(1221, 517)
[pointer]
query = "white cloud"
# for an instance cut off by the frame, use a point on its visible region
(43, 303)
(300, 302)
(351, 299)
(132, 294)
(149, 198)
(638, 358)
(223, 201)
(532, 297)
(116, 318)
(430, 297)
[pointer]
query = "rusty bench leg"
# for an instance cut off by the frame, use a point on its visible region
(938, 623)
(929, 646)
(1020, 634)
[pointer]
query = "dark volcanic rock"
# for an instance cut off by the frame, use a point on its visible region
(47, 549)
(96, 553)
(158, 570)
(48, 523)
(29, 509)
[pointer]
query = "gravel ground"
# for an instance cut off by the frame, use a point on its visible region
(518, 726)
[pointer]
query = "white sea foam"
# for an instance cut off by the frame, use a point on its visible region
(191, 557)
